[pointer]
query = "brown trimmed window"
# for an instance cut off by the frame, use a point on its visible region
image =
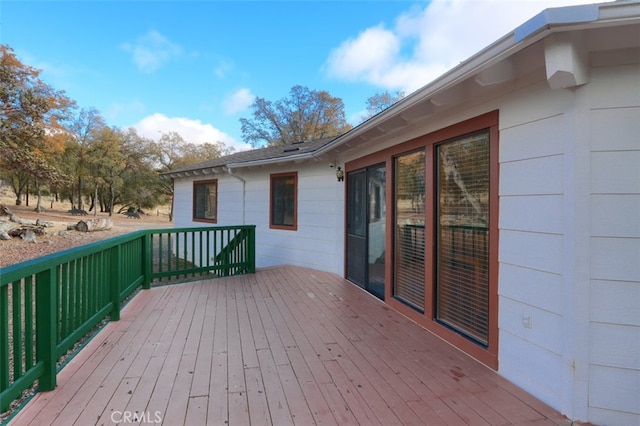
(283, 212)
(445, 233)
(205, 201)
(460, 239)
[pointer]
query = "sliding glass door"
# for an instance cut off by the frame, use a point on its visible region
(366, 228)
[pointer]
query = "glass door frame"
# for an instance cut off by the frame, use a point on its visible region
(363, 277)
(487, 354)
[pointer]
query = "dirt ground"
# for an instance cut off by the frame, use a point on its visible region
(57, 236)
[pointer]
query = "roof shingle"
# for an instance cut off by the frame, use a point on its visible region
(267, 153)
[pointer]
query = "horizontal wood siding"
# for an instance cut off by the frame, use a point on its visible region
(546, 219)
(614, 335)
(230, 203)
(546, 286)
(182, 202)
(318, 241)
(531, 248)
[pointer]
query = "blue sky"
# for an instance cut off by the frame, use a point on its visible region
(195, 67)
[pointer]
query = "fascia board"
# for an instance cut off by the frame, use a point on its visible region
(559, 16)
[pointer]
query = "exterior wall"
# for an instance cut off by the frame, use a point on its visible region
(243, 198)
(570, 245)
(614, 246)
(533, 133)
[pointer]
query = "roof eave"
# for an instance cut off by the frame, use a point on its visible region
(296, 158)
(203, 171)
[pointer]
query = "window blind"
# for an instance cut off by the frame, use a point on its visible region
(409, 283)
(462, 235)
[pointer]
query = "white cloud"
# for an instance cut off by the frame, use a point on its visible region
(192, 131)
(428, 41)
(238, 101)
(355, 57)
(152, 51)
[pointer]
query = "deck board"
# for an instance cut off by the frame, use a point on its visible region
(286, 345)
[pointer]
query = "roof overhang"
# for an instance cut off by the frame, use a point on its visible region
(194, 172)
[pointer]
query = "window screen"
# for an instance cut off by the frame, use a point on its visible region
(462, 235)
(409, 282)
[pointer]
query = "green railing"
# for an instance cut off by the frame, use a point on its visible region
(200, 252)
(49, 304)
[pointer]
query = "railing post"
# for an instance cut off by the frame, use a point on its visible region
(147, 258)
(4, 343)
(116, 281)
(46, 323)
(252, 249)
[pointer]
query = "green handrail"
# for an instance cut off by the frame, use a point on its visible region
(49, 304)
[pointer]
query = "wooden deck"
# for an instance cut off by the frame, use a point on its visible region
(284, 346)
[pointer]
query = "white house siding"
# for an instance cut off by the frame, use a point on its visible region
(318, 243)
(533, 130)
(229, 200)
(614, 332)
(569, 289)
(183, 202)
(229, 210)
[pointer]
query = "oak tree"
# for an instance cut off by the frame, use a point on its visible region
(381, 101)
(82, 131)
(304, 115)
(31, 114)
